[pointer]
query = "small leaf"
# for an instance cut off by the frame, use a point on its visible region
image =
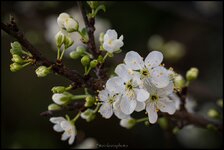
(100, 7)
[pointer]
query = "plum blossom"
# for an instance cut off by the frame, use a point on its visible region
(111, 43)
(61, 124)
(159, 100)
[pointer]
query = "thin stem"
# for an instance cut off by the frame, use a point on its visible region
(76, 97)
(26, 64)
(104, 58)
(142, 119)
(58, 55)
(62, 54)
(97, 108)
(76, 117)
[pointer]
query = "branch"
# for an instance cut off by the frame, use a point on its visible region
(89, 23)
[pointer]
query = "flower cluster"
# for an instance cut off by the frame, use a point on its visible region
(139, 85)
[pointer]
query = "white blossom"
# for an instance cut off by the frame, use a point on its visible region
(71, 25)
(111, 43)
(60, 98)
(150, 68)
(159, 100)
(61, 19)
(61, 124)
(128, 122)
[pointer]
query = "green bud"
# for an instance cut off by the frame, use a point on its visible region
(163, 122)
(43, 71)
(93, 63)
(100, 59)
(110, 54)
(68, 42)
(101, 37)
(58, 89)
(59, 37)
(17, 59)
(15, 67)
(88, 115)
(85, 60)
(16, 48)
(211, 127)
(74, 55)
(213, 113)
(16, 45)
(192, 74)
(179, 82)
(90, 100)
(128, 123)
(54, 107)
(80, 49)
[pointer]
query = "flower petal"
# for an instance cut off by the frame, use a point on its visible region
(163, 92)
(153, 59)
(106, 110)
(123, 72)
(117, 44)
(57, 120)
(142, 95)
(57, 98)
(66, 125)
(120, 114)
(176, 99)
(57, 128)
(108, 47)
(159, 77)
(71, 139)
(115, 85)
(152, 114)
(65, 136)
(110, 35)
(103, 95)
(140, 106)
(165, 105)
(127, 105)
(134, 60)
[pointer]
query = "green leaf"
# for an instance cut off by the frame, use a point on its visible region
(100, 7)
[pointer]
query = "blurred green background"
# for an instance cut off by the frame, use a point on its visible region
(198, 26)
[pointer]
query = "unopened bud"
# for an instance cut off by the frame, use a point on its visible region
(85, 60)
(100, 59)
(15, 67)
(68, 42)
(80, 49)
(58, 89)
(213, 113)
(61, 98)
(93, 63)
(17, 59)
(59, 37)
(90, 100)
(16, 48)
(74, 55)
(128, 123)
(192, 74)
(53, 107)
(179, 82)
(43, 71)
(163, 122)
(93, 4)
(71, 25)
(88, 115)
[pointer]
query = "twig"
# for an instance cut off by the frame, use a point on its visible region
(89, 23)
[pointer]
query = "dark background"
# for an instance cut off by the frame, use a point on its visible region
(198, 26)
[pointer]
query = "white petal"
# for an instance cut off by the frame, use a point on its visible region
(66, 125)
(153, 59)
(108, 47)
(103, 95)
(123, 72)
(120, 114)
(127, 105)
(57, 120)
(134, 60)
(149, 86)
(65, 136)
(159, 77)
(57, 128)
(142, 95)
(71, 139)
(117, 44)
(165, 105)
(112, 34)
(176, 99)
(106, 110)
(140, 106)
(115, 85)
(152, 114)
(163, 92)
(57, 98)
(61, 19)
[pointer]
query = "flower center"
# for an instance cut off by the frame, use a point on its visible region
(144, 72)
(110, 42)
(111, 100)
(154, 98)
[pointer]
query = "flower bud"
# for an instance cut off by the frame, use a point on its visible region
(53, 107)
(192, 74)
(100, 59)
(90, 100)
(68, 42)
(175, 130)
(88, 115)
(15, 67)
(43, 71)
(61, 19)
(93, 4)
(71, 25)
(74, 55)
(80, 49)
(16, 48)
(61, 98)
(17, 59)
(93, 63)
(179, 82)
(85, 60)
(58, 89)
(220, 102)
(59, 37)
(213, 113)
(163, 123)
(128, 123)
